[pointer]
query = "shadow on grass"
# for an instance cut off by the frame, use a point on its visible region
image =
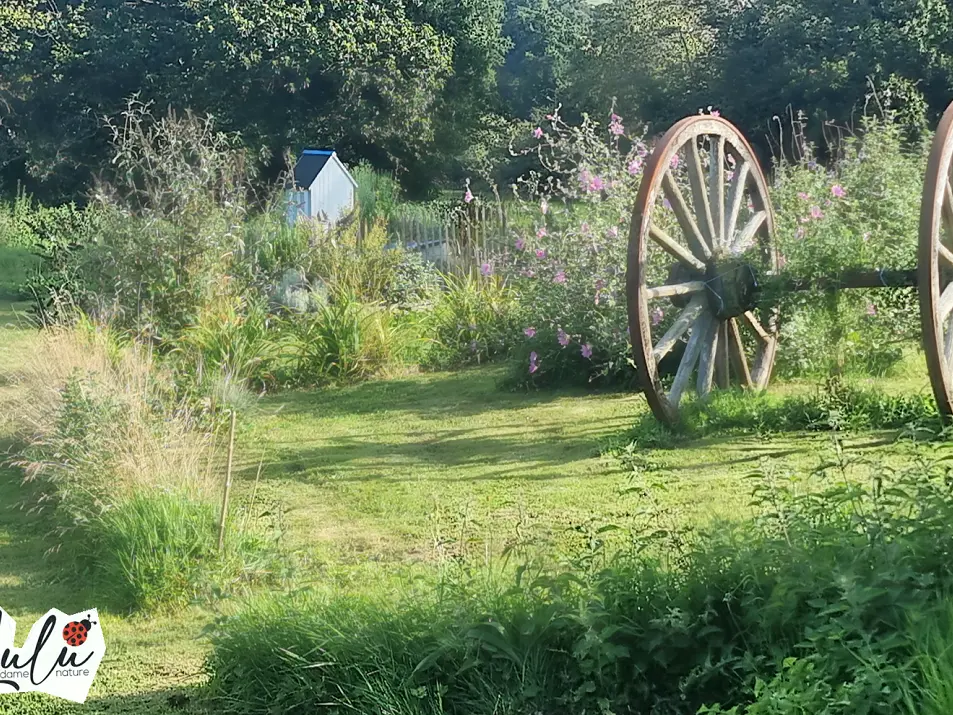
(29, 580)
(185, 700)
(514, 449)
(434, 396)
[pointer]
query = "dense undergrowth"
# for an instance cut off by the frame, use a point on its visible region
(814, 606)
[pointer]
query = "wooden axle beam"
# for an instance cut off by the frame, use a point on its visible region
(855, 279)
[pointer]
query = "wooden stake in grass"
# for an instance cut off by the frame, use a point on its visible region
(228, 485)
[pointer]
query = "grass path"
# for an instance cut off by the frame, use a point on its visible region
(373, 477)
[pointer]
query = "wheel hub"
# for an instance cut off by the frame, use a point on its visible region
(732, 286)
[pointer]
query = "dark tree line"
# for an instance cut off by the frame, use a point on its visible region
(435, 89)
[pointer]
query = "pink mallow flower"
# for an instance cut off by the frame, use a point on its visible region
(530, 332)
(816, 212)
(838, 191)
(562, 337)
(615, 126)
(520, 244)
(541, 253)
(586, 351)
(675, 161)
(486, 270)
(533, 365)
(468, 197)
(541, 233)
(635, 167)
(560, 277)
(538, 133)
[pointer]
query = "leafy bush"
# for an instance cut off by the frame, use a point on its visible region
(473, 320)
(345, 341)
(804, 609)
(862, 213)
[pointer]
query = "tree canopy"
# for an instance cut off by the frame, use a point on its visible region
(432, 89)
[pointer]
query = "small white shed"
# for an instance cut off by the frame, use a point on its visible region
(323, 188)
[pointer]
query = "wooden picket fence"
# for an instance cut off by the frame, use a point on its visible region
(458, 243)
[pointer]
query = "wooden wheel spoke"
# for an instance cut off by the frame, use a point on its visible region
(700, 195)
(747, 233)
(678, 328)
(946, 303)
(948, 344)
(674, 249)
(948, 205)
(736, 349)
(685, 219)
(672, 289)
(736, 195)
(722, 361)
(716, 189)
(945, 253)
(706, 360)
(692, 350)
(763, 334)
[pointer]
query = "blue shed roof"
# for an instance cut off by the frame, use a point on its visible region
(312, 162)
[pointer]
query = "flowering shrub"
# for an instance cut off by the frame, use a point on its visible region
(862, 213)
(569, 268)
(567, 260)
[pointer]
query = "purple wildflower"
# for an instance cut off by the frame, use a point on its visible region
(635, 167)
(675, 161)
(520, 244)
(468, 197)
(838, 191)
(538, 133)
(541, 233)
(533, 366)
(486, 269)
(530, 332)
(657, 315)
(587, 351)
(816, 212)
(560, 277)
(541, 253)
(562, 337)
(803, 196)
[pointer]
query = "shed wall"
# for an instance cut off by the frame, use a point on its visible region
(332, 193)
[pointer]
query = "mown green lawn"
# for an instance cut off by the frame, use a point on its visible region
(386, 477)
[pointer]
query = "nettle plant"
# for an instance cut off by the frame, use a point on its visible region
(568, 263)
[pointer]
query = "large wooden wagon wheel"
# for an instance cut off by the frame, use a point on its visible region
(702, 237)
(935, 265)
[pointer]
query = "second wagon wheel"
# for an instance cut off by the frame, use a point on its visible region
(935, 265)
(701, 240)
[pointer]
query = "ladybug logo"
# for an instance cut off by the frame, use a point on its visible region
(76, 632)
